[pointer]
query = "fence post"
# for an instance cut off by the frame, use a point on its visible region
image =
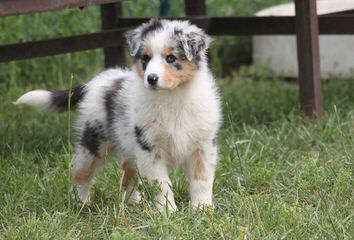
(308, 57)
(113, 56)
(195, 7)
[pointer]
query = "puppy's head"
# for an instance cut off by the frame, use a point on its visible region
(167, 54)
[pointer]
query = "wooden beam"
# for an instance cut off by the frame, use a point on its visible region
(54, 46)
(15, 7)
(113, 56)
(214, 25)
(338, 24)
(308, 57)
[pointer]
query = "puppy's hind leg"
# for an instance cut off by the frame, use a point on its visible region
(84, 168)
(90, 154)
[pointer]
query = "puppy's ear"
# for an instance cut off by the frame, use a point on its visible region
(136, 36)
(194, 43)
(133, 40)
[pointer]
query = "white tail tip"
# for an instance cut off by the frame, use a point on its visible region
(38, 98)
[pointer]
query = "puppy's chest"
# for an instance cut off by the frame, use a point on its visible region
(176, 135)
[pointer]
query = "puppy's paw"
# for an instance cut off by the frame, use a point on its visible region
(84, 192)
(202, 205)
(166, 205)
(132, 197)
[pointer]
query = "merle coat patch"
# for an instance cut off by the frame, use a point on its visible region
(92, 136)
(139, 134)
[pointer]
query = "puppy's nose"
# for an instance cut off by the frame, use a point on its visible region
(152, 79)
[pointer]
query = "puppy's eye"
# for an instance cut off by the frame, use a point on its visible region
(171, 59)
(145, 58)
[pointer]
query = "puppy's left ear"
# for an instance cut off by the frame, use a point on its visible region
(194, 44)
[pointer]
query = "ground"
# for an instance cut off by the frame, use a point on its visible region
(281, 175)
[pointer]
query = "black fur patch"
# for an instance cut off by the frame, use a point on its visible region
(178, 31)
(92, 137)
(139, 134)
(144, 65)
(113, 108)
(144, 61)
(153, 25)
(60, 99)
(177, 66)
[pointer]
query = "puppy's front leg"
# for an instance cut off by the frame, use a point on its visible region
(200, 171)
(129, 173)
(154, 168)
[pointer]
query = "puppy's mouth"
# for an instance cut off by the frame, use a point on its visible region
(154, 88)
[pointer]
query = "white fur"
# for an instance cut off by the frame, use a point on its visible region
(36, 98)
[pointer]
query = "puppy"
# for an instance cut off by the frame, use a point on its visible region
(165, 112)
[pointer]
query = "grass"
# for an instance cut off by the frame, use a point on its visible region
(280, 175)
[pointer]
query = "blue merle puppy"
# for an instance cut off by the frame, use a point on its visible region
(164, 112)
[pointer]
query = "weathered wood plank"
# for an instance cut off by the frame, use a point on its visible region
(54, 46)
(113, 56)
(15, 7)
(336, 24)
(308, 57)
(214, 25)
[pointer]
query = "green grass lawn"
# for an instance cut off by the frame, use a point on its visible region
(280, 176)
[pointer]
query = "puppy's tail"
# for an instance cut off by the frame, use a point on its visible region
(53, 100)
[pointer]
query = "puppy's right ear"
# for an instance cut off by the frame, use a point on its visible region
(135, 36)
(133, 40)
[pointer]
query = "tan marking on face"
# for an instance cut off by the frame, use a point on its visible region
(138, 63)
(174, 77)
(168, 51)
(199, 170)
(128, 173)
(139, 67)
